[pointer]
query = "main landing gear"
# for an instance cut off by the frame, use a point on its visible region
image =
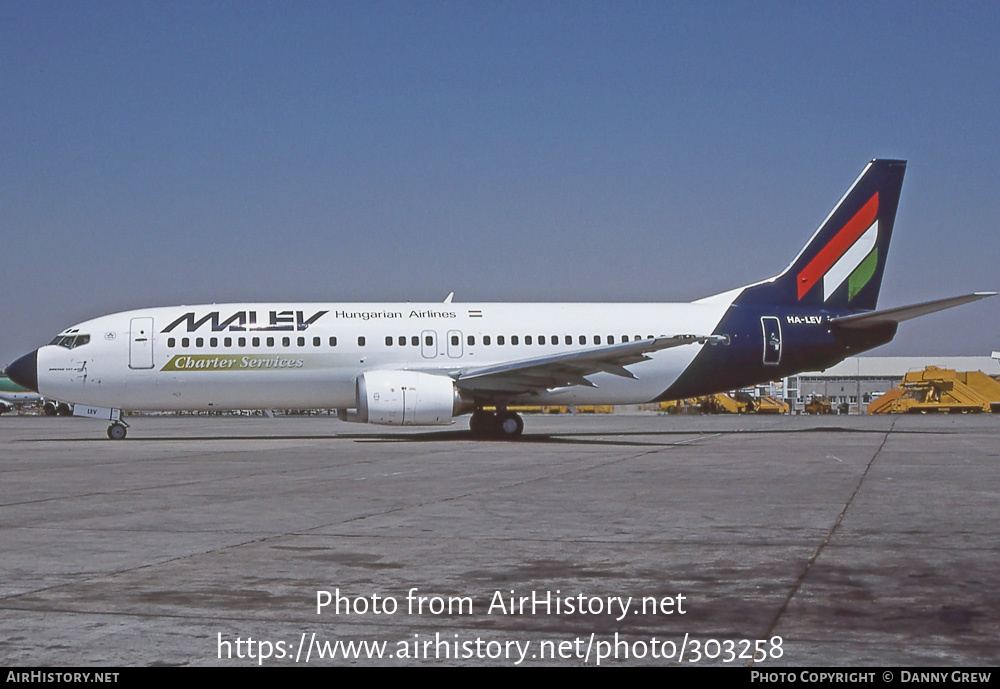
(502, 424)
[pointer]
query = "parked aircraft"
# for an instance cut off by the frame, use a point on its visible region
(425, 364)
(14, 396)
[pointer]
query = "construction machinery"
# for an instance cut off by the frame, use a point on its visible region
(940, 390)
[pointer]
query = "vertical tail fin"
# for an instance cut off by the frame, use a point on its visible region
(841, 267)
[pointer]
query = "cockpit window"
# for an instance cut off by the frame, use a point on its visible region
(70, 341)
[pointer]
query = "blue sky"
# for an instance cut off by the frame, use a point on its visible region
(190, 152)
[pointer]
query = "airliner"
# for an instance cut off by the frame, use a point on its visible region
(406, 364)
(13, 395)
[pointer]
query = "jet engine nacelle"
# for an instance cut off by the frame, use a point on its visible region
(406, 398)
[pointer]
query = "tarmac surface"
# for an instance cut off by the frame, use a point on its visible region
(803, 541)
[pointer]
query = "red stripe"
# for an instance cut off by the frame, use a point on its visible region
(837, 246)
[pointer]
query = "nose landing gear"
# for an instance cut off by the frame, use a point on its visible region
(118, 430)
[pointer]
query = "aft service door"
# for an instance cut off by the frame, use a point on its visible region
(771, 327)
(140, 349)
(428, 344)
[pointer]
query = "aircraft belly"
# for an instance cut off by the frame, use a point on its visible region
(247, 390)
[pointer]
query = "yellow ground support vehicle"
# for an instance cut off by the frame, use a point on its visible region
(594, 409)
(940, 390)
(819, 405)
(690, 405)
(533, 409)
(772, 405)
(722, 403)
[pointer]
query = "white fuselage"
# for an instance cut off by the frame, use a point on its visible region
(309, 355)
(19, 398)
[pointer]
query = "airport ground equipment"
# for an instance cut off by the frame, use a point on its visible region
(819, 405)
(533, 409)
(940, 390)
(722, 403)
(882, 403)
(772, 405)
(678, 406)
(738, 402)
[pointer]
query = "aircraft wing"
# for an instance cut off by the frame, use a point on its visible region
(862, 321)
(571, 368)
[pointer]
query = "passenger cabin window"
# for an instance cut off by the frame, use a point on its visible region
(270, 342)
(429, 340)
(199, 342)
(414, 341)
(388, 340)
(171, 342)
(361, 341)
(454, 340)
(213, 342)
(301, 342)
(402, 340)
(256, 342)
(487, 340)
(242, 341)
(583, 339)
(185, 342)
(227, 342)
(527, 339)
(569, 339)
(513, 339)
(333, 341)
(471, 339)
(316, 342)
(286, 342)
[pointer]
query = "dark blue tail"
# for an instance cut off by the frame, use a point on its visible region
(841, 267)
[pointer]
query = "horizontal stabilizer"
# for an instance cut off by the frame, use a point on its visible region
(899, 314)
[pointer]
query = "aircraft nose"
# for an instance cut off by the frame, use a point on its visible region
(24, 371)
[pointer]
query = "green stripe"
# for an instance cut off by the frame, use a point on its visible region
(862, 274)
(7, 385)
